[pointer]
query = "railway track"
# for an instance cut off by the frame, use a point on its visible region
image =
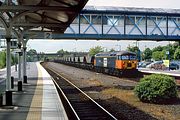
(78, 104)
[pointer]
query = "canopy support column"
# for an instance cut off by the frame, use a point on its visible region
(8, 73)
(24, 65)
(19, 69)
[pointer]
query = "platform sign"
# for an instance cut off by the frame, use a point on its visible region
(17, 50)
(167, 52)
(105, 62)
(14, 44)
(47, 35)
(166, 63)
(2, 43)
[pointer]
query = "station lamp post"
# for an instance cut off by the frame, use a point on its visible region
(119, 46)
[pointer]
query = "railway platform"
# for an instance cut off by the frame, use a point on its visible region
(175, 73)
(38, 100)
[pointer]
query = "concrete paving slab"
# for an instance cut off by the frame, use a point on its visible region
(39, 99)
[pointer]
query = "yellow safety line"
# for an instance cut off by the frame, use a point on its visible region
(36, 104)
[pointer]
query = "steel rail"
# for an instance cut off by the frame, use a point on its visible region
(56, 84)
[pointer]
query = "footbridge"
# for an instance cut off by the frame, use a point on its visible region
(120, 23)
(114, 23)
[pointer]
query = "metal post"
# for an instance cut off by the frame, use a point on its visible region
(169, 55)
(19, 73)
(102, 26)
(167, 25)
(146, 25)
(8, 70)
(19, 66)
(12, 82)
(24, 65)
(124, 24)
(8, 64)
(79, 23)
(26, 61)
(19, 70)
(15, 64)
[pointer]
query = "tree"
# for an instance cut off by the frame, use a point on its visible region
(177, 54)
(157, 55)
(95, 50)
(31, 54)
(2, 59)
(176, 44)
(136, 50)
(132, 49)
(112, 50)
(158, 48)
(161, 51)
(147, 54)
(170, 48)
(41, 56)
(63, 52)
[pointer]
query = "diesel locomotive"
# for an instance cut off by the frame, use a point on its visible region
(122, 62)
(115, 63)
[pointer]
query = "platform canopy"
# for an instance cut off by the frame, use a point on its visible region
(41, 15)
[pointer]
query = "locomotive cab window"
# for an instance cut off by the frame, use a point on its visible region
(125, 57)
(132, 57)
(119, 57)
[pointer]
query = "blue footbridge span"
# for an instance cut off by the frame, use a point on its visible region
(114, 23)
(121, 23)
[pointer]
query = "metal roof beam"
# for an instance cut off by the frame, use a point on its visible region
(55, 25)
(40, 35)
(18, 8)
(63, 3)
(116, 12)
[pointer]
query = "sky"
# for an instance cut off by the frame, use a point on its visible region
(52, 46)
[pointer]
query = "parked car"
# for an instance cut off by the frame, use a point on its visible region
(143, 64)
(173, 66)
(157, 65)
(153, 63)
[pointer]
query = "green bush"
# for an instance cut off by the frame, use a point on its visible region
(2, 59)
(156, 88)
(14, 59)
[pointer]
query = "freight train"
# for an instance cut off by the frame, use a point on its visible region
(113, 63)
